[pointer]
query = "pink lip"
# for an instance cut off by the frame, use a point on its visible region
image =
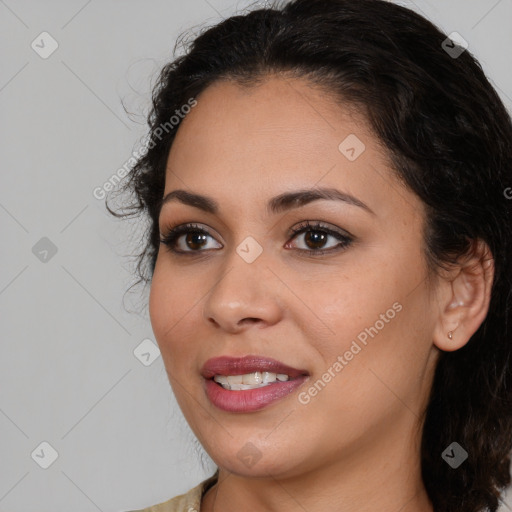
(251, 399)
(227, 365)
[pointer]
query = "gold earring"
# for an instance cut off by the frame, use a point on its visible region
(450, 334)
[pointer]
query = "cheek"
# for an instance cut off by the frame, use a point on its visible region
(349, 304)
(170, 306)
(377, 315)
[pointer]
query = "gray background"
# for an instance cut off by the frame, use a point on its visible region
(69, 375)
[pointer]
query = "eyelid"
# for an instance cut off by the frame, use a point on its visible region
(345, 238)
(171, 227)
(319, 225)
(173, 233)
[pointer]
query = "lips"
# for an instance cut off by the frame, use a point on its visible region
(249, 400)
(227, 365)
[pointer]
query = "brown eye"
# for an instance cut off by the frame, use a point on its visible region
(188, 238)
(315, 239)
(195, 240)
(316, 236)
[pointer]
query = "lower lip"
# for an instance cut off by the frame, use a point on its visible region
(249, 400)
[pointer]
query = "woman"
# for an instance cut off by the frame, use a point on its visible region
(329, 254)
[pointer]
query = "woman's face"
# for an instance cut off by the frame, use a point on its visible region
(357, 319)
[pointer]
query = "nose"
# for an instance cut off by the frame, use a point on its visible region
(244, 294)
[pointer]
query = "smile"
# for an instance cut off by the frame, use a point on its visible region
(249, 380)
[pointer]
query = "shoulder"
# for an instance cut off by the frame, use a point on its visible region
(188, 502)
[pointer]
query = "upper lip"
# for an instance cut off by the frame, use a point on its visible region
(227, 365)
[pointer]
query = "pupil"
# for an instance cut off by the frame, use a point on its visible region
(191, 241)
(317, 238)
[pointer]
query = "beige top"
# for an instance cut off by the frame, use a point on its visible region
(188, 502)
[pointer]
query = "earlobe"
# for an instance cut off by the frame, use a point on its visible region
(467, 298)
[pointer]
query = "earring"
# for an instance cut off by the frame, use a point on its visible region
(450, 334)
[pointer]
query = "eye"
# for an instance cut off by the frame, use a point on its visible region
(190, 238)
(315, 236)
(196, 239)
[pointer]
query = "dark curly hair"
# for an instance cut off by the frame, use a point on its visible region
(449, 137)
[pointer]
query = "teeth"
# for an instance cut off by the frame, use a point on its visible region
(223, 381)
(252, 378)
(235, 379)
(249, 380)
(269, 377)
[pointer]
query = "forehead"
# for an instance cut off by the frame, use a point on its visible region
(282, 134)
(277, 112)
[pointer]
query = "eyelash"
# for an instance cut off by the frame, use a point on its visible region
(173, 234)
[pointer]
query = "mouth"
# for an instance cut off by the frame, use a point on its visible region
(249, 370)
(252, 380)
(234, 384)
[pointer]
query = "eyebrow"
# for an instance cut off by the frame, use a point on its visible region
(278, 204)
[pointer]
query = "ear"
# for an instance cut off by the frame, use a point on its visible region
(464, 298)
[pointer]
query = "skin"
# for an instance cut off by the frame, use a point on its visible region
(355, 445)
